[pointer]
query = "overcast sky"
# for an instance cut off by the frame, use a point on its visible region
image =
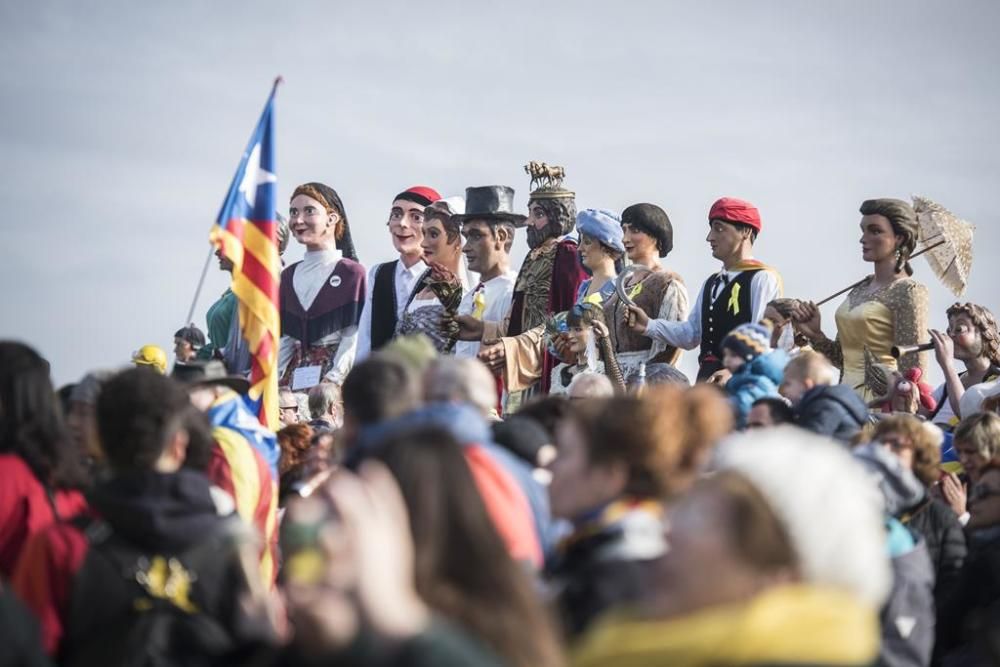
(122, 124)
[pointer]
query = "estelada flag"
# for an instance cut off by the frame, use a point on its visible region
(245, 232)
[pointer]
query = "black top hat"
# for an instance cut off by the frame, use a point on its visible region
(213, 371)
(490, 202)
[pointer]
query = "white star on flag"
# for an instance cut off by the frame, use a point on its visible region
(254, 176)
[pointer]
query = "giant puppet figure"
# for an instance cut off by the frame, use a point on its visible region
(736, 295)
(546, 284)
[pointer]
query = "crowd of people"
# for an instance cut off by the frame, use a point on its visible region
(478, 465)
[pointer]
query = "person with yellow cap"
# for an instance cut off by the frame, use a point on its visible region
(152, 356)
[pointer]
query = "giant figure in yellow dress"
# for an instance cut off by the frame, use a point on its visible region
(888, 308)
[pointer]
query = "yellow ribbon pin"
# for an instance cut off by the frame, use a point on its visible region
(635, 291)
(594, 298)
(734, 299)
(478, 305)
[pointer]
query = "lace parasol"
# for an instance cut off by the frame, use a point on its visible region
(947, 244)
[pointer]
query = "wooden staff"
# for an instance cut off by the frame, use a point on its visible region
(852, 286)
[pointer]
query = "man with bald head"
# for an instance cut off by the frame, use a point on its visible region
(590, 385)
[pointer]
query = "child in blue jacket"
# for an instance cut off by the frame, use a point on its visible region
(756, 368)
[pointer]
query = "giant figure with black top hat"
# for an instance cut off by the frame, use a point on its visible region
(546, 284)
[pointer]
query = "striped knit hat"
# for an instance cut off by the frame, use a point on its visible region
(748, 341)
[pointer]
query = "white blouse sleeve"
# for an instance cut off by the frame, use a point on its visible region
(685, 334)
(764, 288)
(346, 354)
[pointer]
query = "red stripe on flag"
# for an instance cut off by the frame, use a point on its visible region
(235, 227)
(260, 276)
(266, 345)
(267, 227)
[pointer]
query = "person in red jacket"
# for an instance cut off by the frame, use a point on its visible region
(156, 536)
(40, 469)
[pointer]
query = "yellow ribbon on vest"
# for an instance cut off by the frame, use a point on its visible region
(478, 305)
(635, 291)
(734, 299)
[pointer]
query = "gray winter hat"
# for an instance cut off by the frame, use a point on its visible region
(899, 486)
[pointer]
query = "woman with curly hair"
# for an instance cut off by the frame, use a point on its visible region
(887, 308)
(973, 338)
(618, 461)
(294, 440)
(917, 444)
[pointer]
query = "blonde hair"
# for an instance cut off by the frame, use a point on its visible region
(811, 365)
(925, 440)
(981, 430)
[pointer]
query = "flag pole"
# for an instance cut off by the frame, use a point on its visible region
(201, 282)
(278, 80)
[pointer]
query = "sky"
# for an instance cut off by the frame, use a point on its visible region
(122, 125)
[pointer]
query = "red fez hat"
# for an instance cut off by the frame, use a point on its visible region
(730, 209)
(419, 194)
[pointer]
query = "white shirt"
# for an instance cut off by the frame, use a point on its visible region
(945, 414)
(310, 276)
(972, 399)
(404, 280)
(497, 293)
(686, 334)
(312, 272)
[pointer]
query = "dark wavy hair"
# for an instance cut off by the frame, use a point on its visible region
(547, 411)
(137, 412)
(904, 224)
(31, 419)
(561, 212)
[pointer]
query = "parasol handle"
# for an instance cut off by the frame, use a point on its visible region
(850, 287)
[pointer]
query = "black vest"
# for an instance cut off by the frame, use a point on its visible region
(721, 316)
(384, 305)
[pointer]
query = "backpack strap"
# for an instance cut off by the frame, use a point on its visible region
(126, 601)
(940, 404)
